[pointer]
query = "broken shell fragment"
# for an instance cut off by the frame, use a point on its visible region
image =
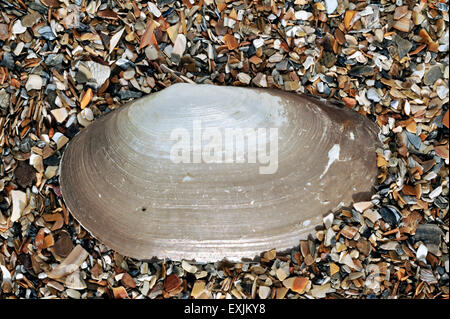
(70, 264)
(19, 202)
(161, 177)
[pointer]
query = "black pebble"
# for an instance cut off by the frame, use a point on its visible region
(379, 85)
(388, 216)
(367, 232)
(72, 131)
(7, 60)
(133, 272)
(51, 161)
(341, 61)
(87, 244)
(251, 51)
(32, 231)
(16, 229)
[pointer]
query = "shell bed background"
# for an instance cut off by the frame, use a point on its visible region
(63, 64)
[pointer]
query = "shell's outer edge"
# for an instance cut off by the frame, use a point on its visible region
(215, 251)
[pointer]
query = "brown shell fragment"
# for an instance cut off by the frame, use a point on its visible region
(445, 119)
(120, 293)
(172, 282)
(71, 263)
(25, 174)
(63, 245)
(119, 181)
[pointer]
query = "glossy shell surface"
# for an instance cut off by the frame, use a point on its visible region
(119, 181)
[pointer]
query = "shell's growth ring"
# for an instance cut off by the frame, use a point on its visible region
(161, 177)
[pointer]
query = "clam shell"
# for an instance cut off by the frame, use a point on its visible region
(119, 181)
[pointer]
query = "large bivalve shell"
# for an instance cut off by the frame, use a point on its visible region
(120, 181)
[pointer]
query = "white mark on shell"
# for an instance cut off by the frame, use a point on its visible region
(352, 136)
(333, 155)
